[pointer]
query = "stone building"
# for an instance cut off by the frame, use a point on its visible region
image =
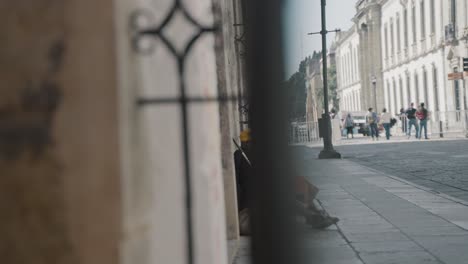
(314, 85)
(409, 51)
(413, 54)
(455, 22)
(348, 71)
(359, 65)
(101, 161)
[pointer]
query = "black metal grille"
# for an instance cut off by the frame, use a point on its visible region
(183, 100)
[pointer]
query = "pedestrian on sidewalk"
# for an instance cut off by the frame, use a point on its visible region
(411, 115)
(349, 125)
(423, 115)
(372, 121)
(385, 118)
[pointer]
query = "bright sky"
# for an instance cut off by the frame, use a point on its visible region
(302, 17)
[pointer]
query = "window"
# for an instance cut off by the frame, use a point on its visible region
(387, 97)
(395, 103)
(398, 38)
(392, 42)
(402, 98)
(453, 11)
(423, 20)
(416, 87)
(357, 63)
(413, 20)
(405, 27)
(386, 41)
(350, 75)
(436, 89)
(433, 17)
(426, 90)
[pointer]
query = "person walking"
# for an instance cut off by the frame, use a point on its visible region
(411, 116)
(349, 125)
(422, 115)
(385, 118)
(372, 121)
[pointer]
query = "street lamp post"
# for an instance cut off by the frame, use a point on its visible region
(328, 151)
(374, 84)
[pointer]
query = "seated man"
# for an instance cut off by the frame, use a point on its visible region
(305, 192)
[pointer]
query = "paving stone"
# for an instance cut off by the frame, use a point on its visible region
(377, 237)
(386, 247)
(412, 257)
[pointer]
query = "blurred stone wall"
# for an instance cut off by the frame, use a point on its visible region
(59, 188)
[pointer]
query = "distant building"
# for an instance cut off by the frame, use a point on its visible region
(455, 25)
(413, 54)
(348, 72)
(359, 65)
(403, 51)
(314, 106)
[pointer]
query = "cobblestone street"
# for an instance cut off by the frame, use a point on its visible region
(439, 165)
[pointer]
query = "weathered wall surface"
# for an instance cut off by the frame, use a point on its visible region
(155, 215)
(59, 190)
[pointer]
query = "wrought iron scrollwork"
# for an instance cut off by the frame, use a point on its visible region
(140, 32)
(240, 40)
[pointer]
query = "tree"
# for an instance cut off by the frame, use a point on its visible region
(332, 87)
(296, 87)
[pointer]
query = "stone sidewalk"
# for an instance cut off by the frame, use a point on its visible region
(383, 219)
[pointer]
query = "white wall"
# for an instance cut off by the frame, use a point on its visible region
(348, 71)
(424, 54)
(153, 184)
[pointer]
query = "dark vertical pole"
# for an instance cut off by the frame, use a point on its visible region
(328, 152)
(272, 201)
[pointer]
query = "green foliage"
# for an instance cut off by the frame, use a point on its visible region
(332, 86)
(296, 87)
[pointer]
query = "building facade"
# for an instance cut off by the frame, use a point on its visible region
(455, 23)
(415, 57)
(314, 84)
(348, 70)
(413, 54)
(359, 66)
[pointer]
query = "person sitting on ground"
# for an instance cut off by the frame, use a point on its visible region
(304, 203)
(306, 195)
